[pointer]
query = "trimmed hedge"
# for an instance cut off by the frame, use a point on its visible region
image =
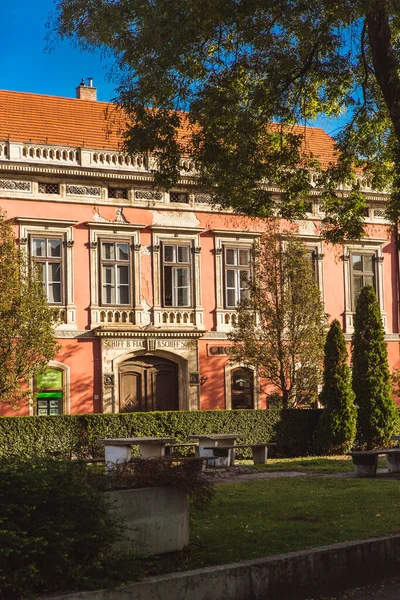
(70, 436)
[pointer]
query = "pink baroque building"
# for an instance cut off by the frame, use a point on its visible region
(147, 281)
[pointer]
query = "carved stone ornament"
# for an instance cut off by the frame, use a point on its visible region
(21, 186)
(150, 344)
(93, 245)
(119, 216)
(346, 257)
(197, 250)
(218, 251)
(23, 241)
(148, 195)
(137, 247)
(194, 378)
(70, 243)
(83, 190)
(108, 379)
(156, 248)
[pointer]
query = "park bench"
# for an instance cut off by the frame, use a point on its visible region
(366, 461)
(259, 452)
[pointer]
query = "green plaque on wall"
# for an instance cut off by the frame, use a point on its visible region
(51, 378)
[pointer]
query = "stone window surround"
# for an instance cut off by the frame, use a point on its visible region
(115, 232)
(66, 372)
(175, 235)
(237, 239)
(314, 244)
(366, 246)
(29, 226)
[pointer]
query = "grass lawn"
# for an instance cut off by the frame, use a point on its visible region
(311, 464)
(261, 518)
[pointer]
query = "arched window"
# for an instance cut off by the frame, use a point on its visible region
(49, 392)
(242, 388)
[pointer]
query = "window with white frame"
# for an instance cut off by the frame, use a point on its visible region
(363, 265)
(362, 270)
(237, 272)
(49, 245)
(115, 273)
(47, 256)
(115, 287)
(176, 253)
(176, 259)
(233, 270)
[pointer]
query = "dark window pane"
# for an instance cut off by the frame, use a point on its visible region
(230, 278)
(368, 263)
(122, 252)
(169, 253)
(168, 300)
(244, 257)
(183, 254)
(108, 251)
(357, 262)
(230, 256)
(369, 280)
(124, 294)
(55, 292)
(230, 297)
(183, 296)
(54, 271)
(38, 247)
(123, 275)
(54, 248)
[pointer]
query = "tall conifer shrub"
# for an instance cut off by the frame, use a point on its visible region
(337, 425)
(377, 414)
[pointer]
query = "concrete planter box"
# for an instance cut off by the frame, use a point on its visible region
(155, 520)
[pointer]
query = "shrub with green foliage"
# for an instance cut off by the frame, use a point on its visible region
(377, 415)
(55, 529)
(337, 425)
(70, 436)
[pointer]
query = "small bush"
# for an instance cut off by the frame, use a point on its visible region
(55, 530)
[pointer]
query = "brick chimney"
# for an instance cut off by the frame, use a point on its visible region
(86, 92)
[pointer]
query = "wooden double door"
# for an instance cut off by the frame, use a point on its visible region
(148, 383)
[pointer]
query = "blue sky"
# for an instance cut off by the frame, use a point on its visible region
(26, 65)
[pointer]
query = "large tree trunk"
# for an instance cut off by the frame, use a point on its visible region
(386, 65)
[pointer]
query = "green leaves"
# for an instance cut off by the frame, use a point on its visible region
(280, 329)
(27, 337)
(236, 66)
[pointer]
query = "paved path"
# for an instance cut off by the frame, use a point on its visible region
(389, 590)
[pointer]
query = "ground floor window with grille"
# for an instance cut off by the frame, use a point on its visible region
(49, 392)
(242, 388)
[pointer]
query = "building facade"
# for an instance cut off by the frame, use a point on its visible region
(147, 281)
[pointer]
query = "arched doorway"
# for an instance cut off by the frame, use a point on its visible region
(148, 383)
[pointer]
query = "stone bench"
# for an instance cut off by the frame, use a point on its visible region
(366, 461)
(169, 448)
(259, 452)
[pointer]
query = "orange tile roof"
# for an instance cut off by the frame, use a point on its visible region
(26, 117)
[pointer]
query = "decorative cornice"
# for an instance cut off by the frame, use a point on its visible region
(109, 332)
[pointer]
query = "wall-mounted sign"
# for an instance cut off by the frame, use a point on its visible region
(218, 350)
